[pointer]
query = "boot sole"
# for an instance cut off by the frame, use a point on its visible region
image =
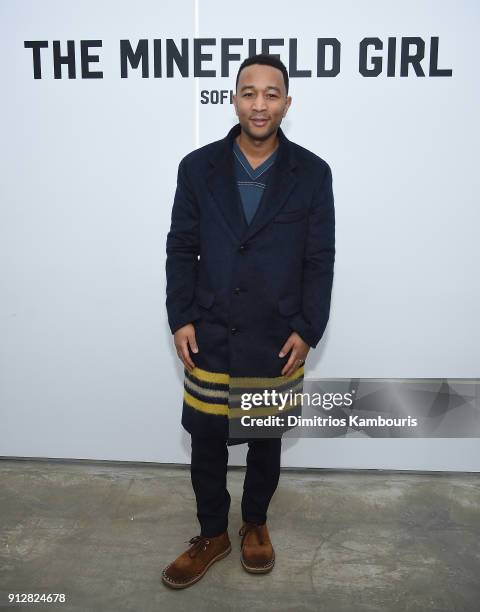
(251, 569)
(183, 585)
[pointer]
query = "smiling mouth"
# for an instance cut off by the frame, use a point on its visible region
(259, 121)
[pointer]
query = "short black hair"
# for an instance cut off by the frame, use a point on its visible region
(267, 60)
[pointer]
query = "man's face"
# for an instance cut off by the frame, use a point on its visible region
(261, 100)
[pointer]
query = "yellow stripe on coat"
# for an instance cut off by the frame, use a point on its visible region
(212, 377)
(193, 402)
(234, 382)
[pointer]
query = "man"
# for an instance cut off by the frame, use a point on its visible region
(250, 257)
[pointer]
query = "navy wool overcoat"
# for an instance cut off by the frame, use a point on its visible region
(245, 288)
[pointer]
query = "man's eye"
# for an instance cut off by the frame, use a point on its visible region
(247, 94)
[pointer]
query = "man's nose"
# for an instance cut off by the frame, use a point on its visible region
(259, 103)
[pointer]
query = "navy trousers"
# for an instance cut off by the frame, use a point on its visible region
(208, 471)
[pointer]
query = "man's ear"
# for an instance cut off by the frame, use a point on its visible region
(234, 99)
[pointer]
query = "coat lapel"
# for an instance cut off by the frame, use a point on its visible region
(222, 184)
(280, 185)
(223, 187)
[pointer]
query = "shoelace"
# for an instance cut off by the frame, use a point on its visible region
(200, 543)
(251, 527)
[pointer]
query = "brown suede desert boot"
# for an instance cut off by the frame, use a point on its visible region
(258, 556)
(191, 565)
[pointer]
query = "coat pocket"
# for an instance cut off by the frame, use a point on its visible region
(204, 297)
(290, 216)
(289, 305)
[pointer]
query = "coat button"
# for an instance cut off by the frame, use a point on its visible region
(237, 291)
(234, 330)
(242, 248)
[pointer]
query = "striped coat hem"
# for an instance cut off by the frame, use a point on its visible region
(219, 394)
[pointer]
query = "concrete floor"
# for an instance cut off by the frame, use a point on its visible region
(344, 541)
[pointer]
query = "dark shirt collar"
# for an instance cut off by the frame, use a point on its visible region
(254, 173)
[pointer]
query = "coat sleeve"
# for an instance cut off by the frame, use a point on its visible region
(183, 249)
(318, 264)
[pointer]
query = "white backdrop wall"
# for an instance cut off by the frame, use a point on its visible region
(88, 173)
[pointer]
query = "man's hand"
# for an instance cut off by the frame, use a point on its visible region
(183, 338)
(299, 353)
